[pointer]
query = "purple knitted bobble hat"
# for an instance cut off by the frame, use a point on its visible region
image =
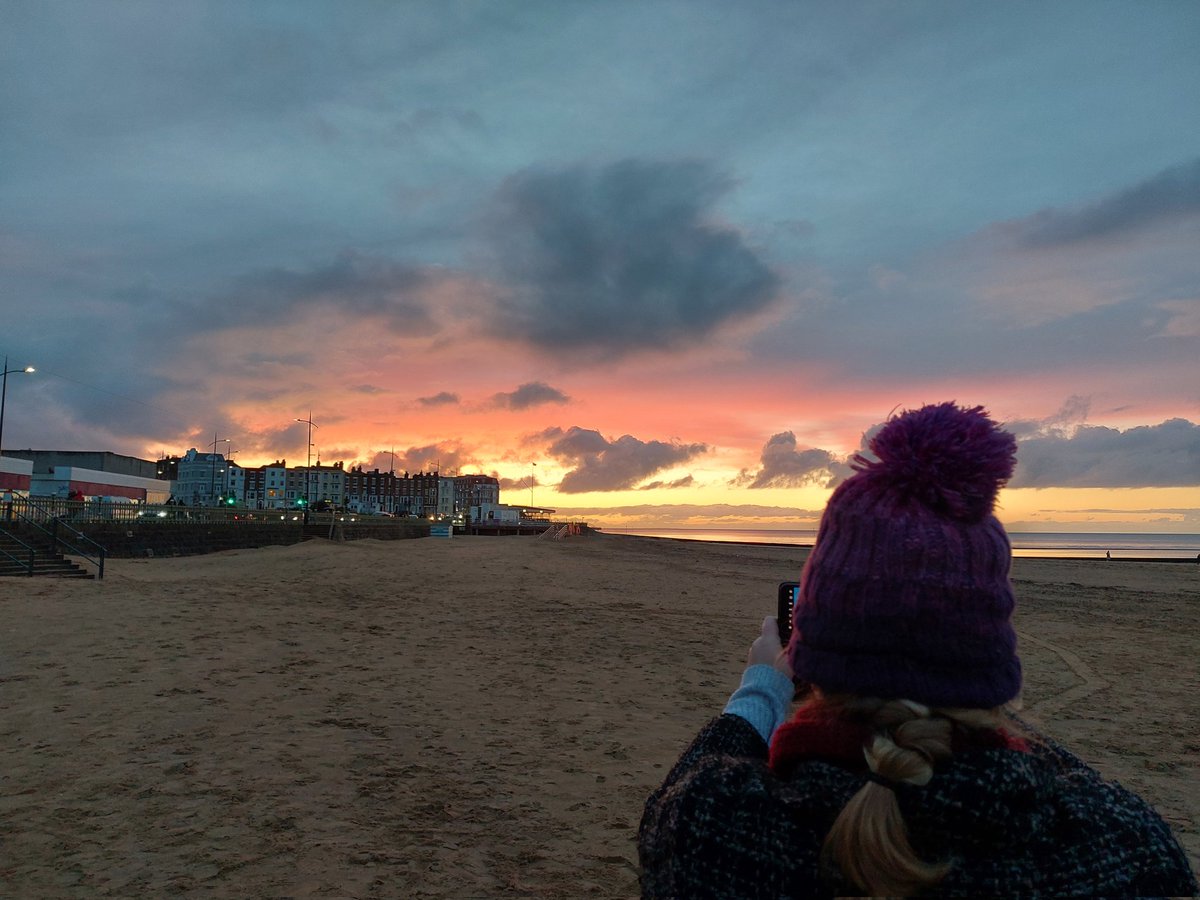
(906, 593)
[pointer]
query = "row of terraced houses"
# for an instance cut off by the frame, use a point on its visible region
(206, 479)
(210, 479)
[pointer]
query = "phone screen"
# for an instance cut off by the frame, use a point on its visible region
(789, 591)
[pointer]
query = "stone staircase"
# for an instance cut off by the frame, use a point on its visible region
(46, 562)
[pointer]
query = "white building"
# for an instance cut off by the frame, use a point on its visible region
(266, 486)
(15, 474)
(235, 483)
(329, 483)
(75, 482)
(496, 514)
(445, 498)
(201, 479)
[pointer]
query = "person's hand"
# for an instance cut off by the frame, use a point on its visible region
(767, 650)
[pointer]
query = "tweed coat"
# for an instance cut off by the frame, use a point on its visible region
(1013, 824)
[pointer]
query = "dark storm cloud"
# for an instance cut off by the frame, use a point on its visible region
(1166, 455)
(445, 398)
(1172, 193)
(784, 466)
(353, 283)
(604, 465)
(533, 393)
(109, 410)
(620, 258)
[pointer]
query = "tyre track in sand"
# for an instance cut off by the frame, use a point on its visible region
(1090, 682)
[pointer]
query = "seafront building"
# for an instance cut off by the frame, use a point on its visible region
(80, 474)
(266, 486)
(200, 478)
(210, 479)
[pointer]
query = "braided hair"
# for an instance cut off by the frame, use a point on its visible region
(868, 843)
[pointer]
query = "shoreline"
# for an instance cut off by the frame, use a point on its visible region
(808, 548)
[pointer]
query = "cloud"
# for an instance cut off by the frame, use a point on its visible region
(519, 484)
(1073, 412)
(1171, 194)
(1151, 511)
(1058, 451)
(533, 393)
(447, 457)
(783, 466)
(999, 297)
(1062, 450)
(620, 258)
(353, 284)
(1184, 318)
(369, 389)
(445, 398)
(1165, 455)
(604, 465)
(686, 481)
(727, 515)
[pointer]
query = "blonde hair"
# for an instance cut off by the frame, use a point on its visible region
(868, 842)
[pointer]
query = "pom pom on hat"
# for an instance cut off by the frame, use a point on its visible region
(952, 460)
(906, 592)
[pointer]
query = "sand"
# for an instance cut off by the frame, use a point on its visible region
(473, 717)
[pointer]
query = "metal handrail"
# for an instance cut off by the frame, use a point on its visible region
(55, 541)
(32, 554)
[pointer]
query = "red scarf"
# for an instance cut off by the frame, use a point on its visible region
(816, 732)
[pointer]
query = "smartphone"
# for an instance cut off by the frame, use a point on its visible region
(789, 592)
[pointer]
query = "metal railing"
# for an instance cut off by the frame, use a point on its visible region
(44, 510)
(559, 530)
(43, 519)
(27, 563)
(107, 512)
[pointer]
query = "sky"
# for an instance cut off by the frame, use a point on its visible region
(648, 263)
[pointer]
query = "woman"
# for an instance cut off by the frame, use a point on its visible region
(900, 773)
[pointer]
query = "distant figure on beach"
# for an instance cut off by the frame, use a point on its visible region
(901, 770)
(1108, 554)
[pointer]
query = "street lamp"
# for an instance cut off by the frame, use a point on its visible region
(28, 370)
(308, 465)
(227, 489)
(212, 482)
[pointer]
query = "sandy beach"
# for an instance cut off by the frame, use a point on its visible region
(474, 717)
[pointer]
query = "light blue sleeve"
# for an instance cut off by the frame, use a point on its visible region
(763, 699)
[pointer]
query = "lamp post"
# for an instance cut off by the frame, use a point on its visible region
(212, 482)
(308, 465)
(227, 478)
(28, 370)
(532, 467)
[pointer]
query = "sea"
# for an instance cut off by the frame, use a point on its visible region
(1053, 544)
